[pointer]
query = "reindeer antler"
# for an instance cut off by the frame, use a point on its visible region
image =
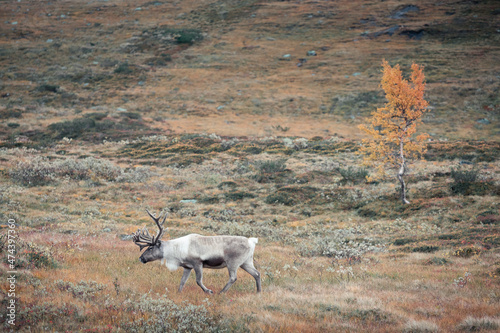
(160, 225)
(143, 238)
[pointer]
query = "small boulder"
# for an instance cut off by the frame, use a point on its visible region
(484, 121)
(124, 237)
(402, 11)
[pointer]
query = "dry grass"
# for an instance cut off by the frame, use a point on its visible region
(414, 273)
(109, 113)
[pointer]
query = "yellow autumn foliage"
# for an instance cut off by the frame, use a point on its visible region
(397, 121)
(393, 127)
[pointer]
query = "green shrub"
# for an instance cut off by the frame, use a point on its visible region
(29, 255)
(472, 324)
(403, 241)
(162, 60)
(35, 172)
(420, 326)
(184, 36)
(62, 318)
(254, 150)
(189, 36)
(374, 314)
(425, 249)
(488, 217)
(353, 175)
(131, 115)
(227, 185)
(238, 195)
(123, 68)
(466, 252)
(447, 236)
(10, 113)
(88, 168)
(338, 244)
(39, 258)
(292, 195)
(463, 180)
(271, 171)
(332, 309)
(85, 290)
(280, 199)
(209, 200)
(383, 207)
(96, 115)
(163, 315)
(229, 225)
(72, 129)
(136, 175)
(272, 166)
(40, 171)
(48, 88)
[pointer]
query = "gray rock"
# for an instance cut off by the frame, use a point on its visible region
(484, 121)
(312, 53)
(124, 237)
(188, 201)
(388, 31)
(401, 13)
(257, 102)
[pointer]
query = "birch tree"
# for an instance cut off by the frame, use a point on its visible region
(394, 142)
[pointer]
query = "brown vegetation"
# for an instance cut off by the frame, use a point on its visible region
(335, 253)
(217, 112)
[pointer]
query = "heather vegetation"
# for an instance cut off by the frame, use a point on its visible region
(331, 245)
(241, 118)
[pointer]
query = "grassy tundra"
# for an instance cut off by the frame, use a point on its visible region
(105, 108)
(335, 253)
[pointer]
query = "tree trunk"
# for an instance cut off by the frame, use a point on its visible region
(403, 185)
(401, 173)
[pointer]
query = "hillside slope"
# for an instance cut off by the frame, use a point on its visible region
(246, 67)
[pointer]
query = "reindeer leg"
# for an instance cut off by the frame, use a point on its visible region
(250, 269)
(198, 269)
(232, 277)
(185, 276)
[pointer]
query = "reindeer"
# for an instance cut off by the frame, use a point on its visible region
(197, 252)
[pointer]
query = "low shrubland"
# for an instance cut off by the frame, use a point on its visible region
(103, 113)
(40, 171)
(334, 250)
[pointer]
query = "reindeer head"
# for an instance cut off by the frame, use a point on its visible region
(153, 243)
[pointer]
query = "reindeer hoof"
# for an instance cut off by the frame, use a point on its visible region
(208, 291)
